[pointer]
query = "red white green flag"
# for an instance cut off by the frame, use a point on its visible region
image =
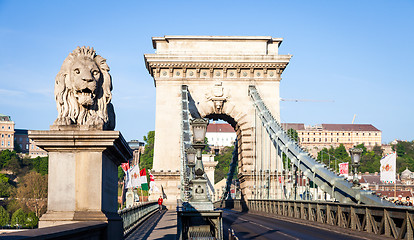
(144, 183)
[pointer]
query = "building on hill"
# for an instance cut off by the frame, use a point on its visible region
(26, 145)
(315, 138)
(220, 135)
(6, 133)
(138, 149)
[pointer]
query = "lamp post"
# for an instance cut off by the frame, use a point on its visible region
(199, 183)
(191, 155)
(355, 157)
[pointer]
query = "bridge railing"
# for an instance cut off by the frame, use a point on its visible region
(395, 222)
(133, 216)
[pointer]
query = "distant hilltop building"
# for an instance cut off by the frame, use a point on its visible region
(315, 138)
(6, 133)
(18, 139)
(220, 135)
(27, 146)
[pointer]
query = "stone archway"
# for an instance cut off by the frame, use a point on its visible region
(218, 71)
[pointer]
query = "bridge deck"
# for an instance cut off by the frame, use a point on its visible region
(266, 226)
(158, 226)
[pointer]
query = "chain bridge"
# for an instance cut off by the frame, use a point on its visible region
(284, 192)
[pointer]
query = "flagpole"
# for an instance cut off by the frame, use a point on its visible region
(395, 181)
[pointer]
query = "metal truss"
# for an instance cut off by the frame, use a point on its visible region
(327, 180)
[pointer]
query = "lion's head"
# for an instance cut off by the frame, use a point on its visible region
(83, 91)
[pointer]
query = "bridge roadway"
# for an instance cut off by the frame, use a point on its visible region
(247, 226)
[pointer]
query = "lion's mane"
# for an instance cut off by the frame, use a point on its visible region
(70, 112)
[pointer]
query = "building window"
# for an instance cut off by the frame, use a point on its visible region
(314, 139)
(320, 139)
(320, 134)
(369, 134)
(343, 134)
(357, 134)
(2, 143)
(8, 136)
(326, 139)
(32, 147)
(337, 140)
(8, 144)
(9, 127)
(308, 139)
(375, 134)
(349, 134)
(363, 134)
(27, 146)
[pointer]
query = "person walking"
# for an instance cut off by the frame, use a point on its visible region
(160, 203)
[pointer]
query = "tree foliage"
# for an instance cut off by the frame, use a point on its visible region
(146, 159)
(5, 187)
(4, 217)
(32, 192)
(18, 218)
(223, 165)
(405, 155)
(40, 164)
(293, 134)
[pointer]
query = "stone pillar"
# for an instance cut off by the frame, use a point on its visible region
(83, 175)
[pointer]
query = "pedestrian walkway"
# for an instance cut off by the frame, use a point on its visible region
(158, 226)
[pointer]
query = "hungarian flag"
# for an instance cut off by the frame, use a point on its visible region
(135, 178)
(144, 183)
(125, 166)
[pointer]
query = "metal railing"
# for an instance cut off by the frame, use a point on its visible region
(395, 222)
(135, 215)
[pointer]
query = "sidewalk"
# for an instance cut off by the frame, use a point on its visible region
(159, 226)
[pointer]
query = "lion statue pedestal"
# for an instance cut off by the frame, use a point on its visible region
(84, 151)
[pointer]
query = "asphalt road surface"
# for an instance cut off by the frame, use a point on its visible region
(251, 226)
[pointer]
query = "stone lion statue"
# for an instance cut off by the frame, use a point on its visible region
(83, 91)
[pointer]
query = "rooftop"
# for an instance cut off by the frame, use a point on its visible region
(331, 127)
(220, 127)
(4, 118)
(217, 45)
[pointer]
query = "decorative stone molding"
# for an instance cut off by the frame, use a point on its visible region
(219, 96)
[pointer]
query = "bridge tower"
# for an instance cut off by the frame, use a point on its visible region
(217, 71)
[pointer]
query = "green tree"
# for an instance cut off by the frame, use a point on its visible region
(378, 150)
(146, 158)
(5, 186)
(40, 164)
(6, 156)
(223, 165)
(18, 218)
(293, 134)
(4, 217)
(121, 173)
(341, 153)
(32, 220)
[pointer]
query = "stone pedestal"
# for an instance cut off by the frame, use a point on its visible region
(170, 181)
(83, 175)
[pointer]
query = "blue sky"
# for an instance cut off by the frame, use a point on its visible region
(358, 53)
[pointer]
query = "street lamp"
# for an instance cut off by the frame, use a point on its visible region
(355, 157)
(191, 155)
(199, 127)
